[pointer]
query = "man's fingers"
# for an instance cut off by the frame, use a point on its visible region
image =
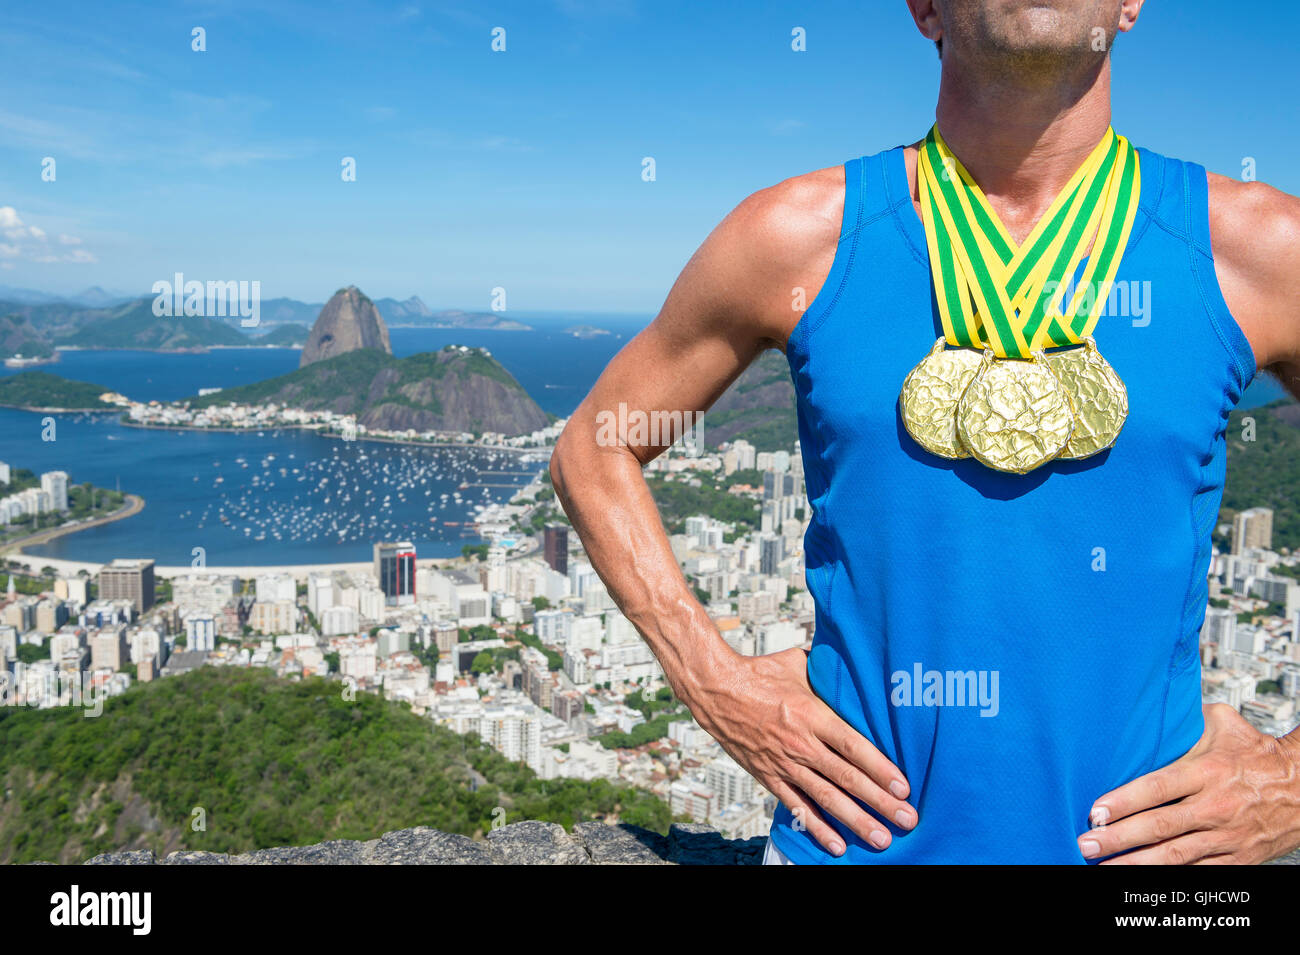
(857, 749)
(1142, 829)
(1190, 849)
(852, 780)
(832, 799)
(807, 814)
(1175, 781)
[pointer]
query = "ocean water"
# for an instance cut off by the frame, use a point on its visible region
(285, 496)
(278, 497)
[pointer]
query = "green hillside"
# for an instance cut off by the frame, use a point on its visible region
(40, 389)
(758, 407)
(291, 335)
(134, 325)
(271, 762)
(320, 384)
(447, 390)
(19, 337)
(1265, 472)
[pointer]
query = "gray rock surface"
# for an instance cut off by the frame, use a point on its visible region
(521, 843)
(348, 321)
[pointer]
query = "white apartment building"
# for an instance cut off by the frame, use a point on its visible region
(55, 485)
(515, 731)
(204, 593)
(200, 631)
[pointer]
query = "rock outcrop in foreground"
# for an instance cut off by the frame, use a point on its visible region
(522, 843)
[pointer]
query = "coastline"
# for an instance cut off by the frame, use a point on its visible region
(338, 437)
(14, 549)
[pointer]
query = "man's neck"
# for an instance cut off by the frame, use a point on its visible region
(1021, 141)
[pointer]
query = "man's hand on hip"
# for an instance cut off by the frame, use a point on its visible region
(1234, 798)
(764, 713)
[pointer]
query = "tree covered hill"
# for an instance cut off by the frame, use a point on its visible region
(134, 325)
(453, 389)
(758, 407)
(1265, 472)
(40, 389)
(268, 762)
(292, 335)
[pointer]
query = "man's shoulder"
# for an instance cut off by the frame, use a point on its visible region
(778, 246)
(1245, 214)
(1255, 240)
(807, 208)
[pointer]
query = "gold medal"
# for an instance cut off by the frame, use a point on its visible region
(1020, 408)
(929, 398)
(1014, 416)
(1097, 395)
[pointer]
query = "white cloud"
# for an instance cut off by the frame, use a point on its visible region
(33, 244)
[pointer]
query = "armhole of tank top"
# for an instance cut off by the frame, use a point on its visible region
(1196, 205)
(823, 302)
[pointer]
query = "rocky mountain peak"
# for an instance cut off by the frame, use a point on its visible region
(348, 321)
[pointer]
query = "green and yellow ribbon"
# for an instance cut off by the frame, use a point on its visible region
(990, 291)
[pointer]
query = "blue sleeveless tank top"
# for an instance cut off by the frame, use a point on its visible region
(1017, 645)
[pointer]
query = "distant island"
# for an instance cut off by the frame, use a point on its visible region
(347, 367)
(413, 313)
(586, 331)
(42, 391)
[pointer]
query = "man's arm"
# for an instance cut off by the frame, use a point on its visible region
(1235, 797)
(732, 301)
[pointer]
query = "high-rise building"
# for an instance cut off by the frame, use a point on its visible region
(1220, 628)
(556, 547)
(729, 782)
(128, 580)
(1252, 528)
(745, 454)
(50, 614)
(395, 568)
(55, 484)
(108, 649)
(770, 555)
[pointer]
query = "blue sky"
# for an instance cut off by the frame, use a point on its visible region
(519, 169)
